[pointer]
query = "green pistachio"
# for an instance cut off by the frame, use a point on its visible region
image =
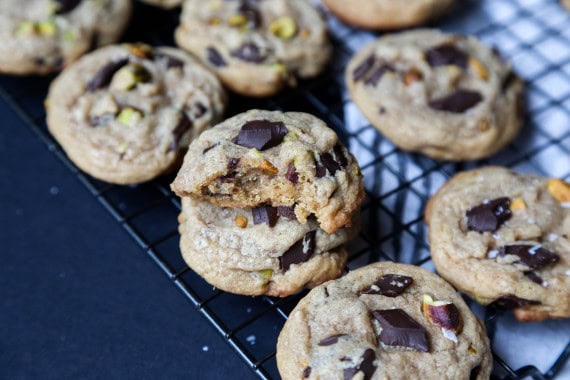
(130, 116)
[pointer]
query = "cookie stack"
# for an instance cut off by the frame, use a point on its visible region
(268, 201)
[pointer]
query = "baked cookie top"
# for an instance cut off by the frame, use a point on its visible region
(259, 251)
(444, 95)
(503, 238)
(275, 158)
(385, 320)
(256, 46)
(388, 14)
(42, 36)
(126, 113)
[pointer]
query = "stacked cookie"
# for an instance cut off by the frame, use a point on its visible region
(268, 201)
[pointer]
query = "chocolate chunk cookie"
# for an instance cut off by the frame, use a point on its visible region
(167, 4)
(256, 47)
(259, 251)
(42, 36)
(278, 159)
(446, 96)
(384, 321)
(504, 239)
(566, 3)
(126, 113)
(388, 14)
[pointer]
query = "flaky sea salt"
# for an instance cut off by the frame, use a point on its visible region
(492, 254)
(552, 237)
(534, 249)
(450, 335)
(205, 348)
(250, 339)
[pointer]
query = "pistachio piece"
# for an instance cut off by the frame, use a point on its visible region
(412, 75)
(214, 21)
(254, 153)
(240, 221)
(291, 136)
(284, 27)
(478, 68)
(122, 147)
(69, 36)
(129, 76)
(46, 28)
(559, 189)
(266, 273)
(26, 27)
(140, 50)
(518, 204)
(130, 116)
(267, 168)
(237, 20)
(443, 314)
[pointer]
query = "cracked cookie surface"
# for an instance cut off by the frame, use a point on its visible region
(256, 47)
(275, 158)
(126, 113)
(42, 36)
(503, 238)
(260, 251)
(446, 96)
(384, 321)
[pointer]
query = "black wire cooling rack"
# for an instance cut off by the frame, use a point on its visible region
(533, 34)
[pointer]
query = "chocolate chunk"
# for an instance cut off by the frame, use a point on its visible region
(510, 301)
(446, 54)
(307, 372)
(475, 373)
(292, 174)
(533, 256)
(361, 70)
(215, 57)
(489, 216)
(389, 285)
(534, 277)
(401, 330)
(457, 102)
(66, 6)
(250, 12)
(249, 52)
(210, 148)
(287, 212)
(265, 214)
(231, 173)
(232, 164)
(327, 160)
(171, 62)
(366, 366)
(103, 77)
(299, 252)
(199, 110)
(330, 340)
(339, 156)
(377, 74)
(261, 134)
(184, 125)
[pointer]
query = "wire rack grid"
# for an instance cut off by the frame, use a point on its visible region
(533, 34)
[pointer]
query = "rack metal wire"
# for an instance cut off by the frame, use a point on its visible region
(533, 34)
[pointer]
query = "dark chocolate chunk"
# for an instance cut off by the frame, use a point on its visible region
(250, 12)
(307, 372)
(199, 110)
(210, 148)
(489, 216)
(299, 252)
(339, 156)
(401, 330)
(389, 285)
(362, 70)
(184, 125)
(232, 164)
(510, 301)
(446, 54)
(249, 52)
(215, 57)
(103, 77)
(377, 74)
(330, 340)
(327, 160)
(265, 214)
(534, 277)
(66, 6)
(287, 212)
(292, 174)
(230, 175)
(475, 373)
(533, 256)
(366, 366)
(457, 102)
(261, 134)
(171, 62)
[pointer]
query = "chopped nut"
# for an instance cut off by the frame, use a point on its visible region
(69, 36)
(268, 168)
(412, 75)
(477, 67)
(47, 28)
(471, 350)
(443, 314)
(266, 273)
(284, 27)
(237, 20)
(484, 125)
(254, 153)
(140, 50)
(240, 221)
(559, 189)
(454, 73)
(129, 76)
(122, 147)
(214, 21)
(291, 136)
(305, 33)
(518, 204)
(130, 116)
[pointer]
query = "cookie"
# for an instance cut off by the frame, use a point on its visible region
(566, 3)
(126, 113)
(259, 251)
(274, 158)
(388, 14)
(42, 36)
(166, 4)
(256, 47)
(384, 321)
(446, 96)
(504, 239)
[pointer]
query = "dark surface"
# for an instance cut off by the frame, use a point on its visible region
(77, 298)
